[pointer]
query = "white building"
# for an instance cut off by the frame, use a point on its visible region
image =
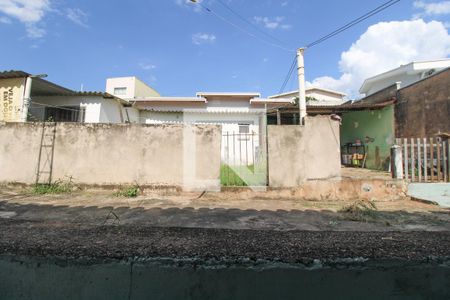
(316, 96)
(31, 98)
(241, 115)
(404, 75)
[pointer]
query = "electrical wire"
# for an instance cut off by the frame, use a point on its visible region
(242, 29)
(356, 21)
(367, 15)
(250, 23)
(288, 76)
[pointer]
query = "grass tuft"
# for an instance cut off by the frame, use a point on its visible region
(58, 187)
(130, 192)
(361, 211)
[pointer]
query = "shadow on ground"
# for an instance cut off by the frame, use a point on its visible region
(229, 218)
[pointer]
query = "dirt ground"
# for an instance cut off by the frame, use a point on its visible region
(221, 210)
(167, 223)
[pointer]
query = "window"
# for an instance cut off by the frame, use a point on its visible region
(120, 91)
(65, 114)
(244, 128)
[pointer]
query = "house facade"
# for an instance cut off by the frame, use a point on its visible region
(420, 109)
(316, 96)
(32, 98)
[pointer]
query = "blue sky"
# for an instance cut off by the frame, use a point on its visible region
(180, 49)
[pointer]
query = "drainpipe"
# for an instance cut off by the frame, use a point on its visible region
(301, 85)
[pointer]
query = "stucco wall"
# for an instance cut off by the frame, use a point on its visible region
(300, 153)
(110, 154)
(11, 99)
(375, 128)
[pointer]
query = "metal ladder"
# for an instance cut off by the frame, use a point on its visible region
(45, 161)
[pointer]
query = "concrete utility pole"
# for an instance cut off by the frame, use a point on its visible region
(27, 95)
(301, 85)
(26, 99)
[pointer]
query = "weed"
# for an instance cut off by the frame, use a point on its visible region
(363, 211)
(130, 192)
(57, 187)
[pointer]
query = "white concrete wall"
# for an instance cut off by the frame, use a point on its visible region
(135, 87)
(324, 96)
(111, 112)
(143, 90)
(154, 117)
(405, 80)
(121, 82)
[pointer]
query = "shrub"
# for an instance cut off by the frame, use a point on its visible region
(365, 211)
(58, 187)
(130, 192)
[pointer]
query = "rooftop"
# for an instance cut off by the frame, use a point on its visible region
(228, 94)
(411, 68)
(313, 88)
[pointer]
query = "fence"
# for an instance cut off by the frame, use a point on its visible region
(425, 159)
(243, 159)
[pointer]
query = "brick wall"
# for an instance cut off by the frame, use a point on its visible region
(385, 94)
(423, 109)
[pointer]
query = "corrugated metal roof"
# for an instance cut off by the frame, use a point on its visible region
(87, 94)
(13, 74)
(327, 109)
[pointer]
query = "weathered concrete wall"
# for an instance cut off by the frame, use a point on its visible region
(423, 109)
(110, 154)
(300, 153)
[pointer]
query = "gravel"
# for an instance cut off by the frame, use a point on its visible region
(42, 239)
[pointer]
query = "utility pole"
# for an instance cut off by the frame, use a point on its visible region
(301, 85)
(26, 98)
(27, 95)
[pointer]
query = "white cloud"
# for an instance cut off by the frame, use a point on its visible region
(35, 32)
(285, 3)
(146, 66)
(384, 46)
(275, 23)
(29, 12)
(77, 16)
(433, 8)
(203, 38)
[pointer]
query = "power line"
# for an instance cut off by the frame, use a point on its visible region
(288, 76)
(336, 32)
(242, 29)
(250, 23)
(367, 15)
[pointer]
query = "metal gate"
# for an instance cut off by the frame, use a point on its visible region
(243, 159)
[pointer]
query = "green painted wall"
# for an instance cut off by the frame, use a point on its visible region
(375, 128)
